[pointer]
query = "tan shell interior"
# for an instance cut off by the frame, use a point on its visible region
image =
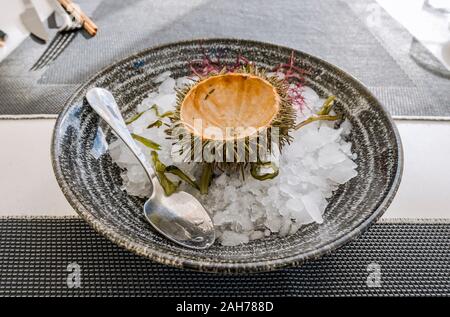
(229, 106)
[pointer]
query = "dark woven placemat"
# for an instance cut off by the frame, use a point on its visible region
(36, 257)
(334, 30)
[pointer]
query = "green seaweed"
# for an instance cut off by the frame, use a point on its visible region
(323, 114)
(147, 142)
(134, 118)
(157, 124)
(255, 170)
(168, 186)
(172, 169)
(327, 106)
(161, 115)
(206, 178)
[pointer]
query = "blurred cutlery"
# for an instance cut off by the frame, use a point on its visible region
(3, 37)
(32, 22)
(54, 49)
(72, 19)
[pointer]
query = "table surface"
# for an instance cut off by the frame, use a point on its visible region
(11, 24)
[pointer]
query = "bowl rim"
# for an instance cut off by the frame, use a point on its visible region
(226, 267)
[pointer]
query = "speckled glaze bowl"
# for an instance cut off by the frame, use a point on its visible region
(93, 186)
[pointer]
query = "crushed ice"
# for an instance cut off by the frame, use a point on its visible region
(311, 168)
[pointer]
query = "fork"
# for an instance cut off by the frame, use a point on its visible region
(55, 48)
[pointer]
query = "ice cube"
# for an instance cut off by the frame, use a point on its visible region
(330, 154)
(287, 190)
(255, 235)
(161, 77)
(310, 96)
(285, 227)
(343, 172)
(166, 102)
(183, 81)
(167, 86)
(312, 207)
(273, 223)
(294, 204)
(230, 238)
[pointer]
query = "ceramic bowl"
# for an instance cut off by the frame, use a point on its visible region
(93, 186)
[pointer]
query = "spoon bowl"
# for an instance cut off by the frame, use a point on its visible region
(177, 216)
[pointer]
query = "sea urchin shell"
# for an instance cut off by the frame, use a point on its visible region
(234, 106)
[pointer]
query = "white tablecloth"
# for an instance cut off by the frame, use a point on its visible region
(28, 186)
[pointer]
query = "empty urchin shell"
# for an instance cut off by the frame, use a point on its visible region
(223, 110)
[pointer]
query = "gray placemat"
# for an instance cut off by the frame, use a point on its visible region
(334, 30)
(396, 259)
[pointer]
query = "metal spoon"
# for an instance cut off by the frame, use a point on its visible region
(179, 217)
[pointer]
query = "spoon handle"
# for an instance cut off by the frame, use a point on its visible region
(104, 104)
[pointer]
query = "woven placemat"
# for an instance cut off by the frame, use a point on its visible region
(37, 255)
(334, 30)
